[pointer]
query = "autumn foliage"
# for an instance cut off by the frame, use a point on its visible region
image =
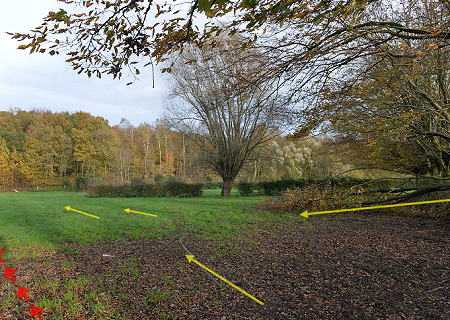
(45, 149)
(327, 196)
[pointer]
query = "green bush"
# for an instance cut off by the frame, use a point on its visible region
(213, 185)
(246, 188)
(184, 190)
(137, 181)
(160, 178)
(102, 191)
(275, 188)
(170, 189)
(81, 183)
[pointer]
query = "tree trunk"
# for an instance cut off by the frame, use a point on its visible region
(226, 189)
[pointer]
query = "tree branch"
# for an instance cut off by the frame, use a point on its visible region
(207, 273)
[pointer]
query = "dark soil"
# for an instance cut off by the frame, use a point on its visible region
(336, 267)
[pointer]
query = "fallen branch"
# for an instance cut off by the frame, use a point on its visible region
(438, 288)
(420, 191)
(208, 274)
(398, 190)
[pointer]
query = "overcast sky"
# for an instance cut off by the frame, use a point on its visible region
(45, 82)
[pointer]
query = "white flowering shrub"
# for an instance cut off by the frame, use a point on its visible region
(292, 159)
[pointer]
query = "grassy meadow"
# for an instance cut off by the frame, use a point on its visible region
(60, 257)
(38, 221)
(34, 225)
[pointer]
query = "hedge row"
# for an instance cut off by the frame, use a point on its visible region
(170, 189)
(274, 188)
(213, 185)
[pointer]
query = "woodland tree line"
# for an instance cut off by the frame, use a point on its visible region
(42, 148)
(372, 74)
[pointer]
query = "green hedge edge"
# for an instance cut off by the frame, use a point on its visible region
(170, 189)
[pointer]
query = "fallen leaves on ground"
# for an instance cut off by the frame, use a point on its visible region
(344, 266)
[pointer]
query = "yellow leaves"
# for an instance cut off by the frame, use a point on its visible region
(420, 54)
(300, 15)
(436, 33)
(88, 21)
(22, 47)
(433, 46)
(33, 48)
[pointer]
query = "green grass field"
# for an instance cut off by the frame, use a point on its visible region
(60, 257)
(36, 221)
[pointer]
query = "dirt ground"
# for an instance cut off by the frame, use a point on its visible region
(346, 266)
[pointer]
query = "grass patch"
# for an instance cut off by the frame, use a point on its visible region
(37, 222)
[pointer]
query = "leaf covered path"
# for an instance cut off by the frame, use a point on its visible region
(343, 266)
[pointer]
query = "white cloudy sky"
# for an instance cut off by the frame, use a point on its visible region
(45, 82)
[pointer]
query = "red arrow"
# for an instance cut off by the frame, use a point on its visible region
(35, 312)
(1, 252)
(9, 273)
(23, 293)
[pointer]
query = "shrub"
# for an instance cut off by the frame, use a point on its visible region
(170, 189)
(160, 178)
(309, 198)
(213, 185)
(81, 183)
(275, 188)
(183, 190)
(246, 188)
(137, 181)
(102, 191)
(334, 194)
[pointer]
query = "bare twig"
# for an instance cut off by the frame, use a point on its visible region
(438, 288)
(419, 191)
(210, 276)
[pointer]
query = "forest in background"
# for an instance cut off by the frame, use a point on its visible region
(41, 148)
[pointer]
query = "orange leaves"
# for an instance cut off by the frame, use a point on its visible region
(88, 21)
(301, 14)
(438, 32)
(433, 46)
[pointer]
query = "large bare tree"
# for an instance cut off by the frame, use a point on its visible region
(212, 93)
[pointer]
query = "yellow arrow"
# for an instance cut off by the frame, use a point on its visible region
(306, 213)
(148, 214)
(191, 258)
(90, 215)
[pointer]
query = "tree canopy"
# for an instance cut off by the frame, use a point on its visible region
(105, 36)
(372, 71)
(213, 96)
